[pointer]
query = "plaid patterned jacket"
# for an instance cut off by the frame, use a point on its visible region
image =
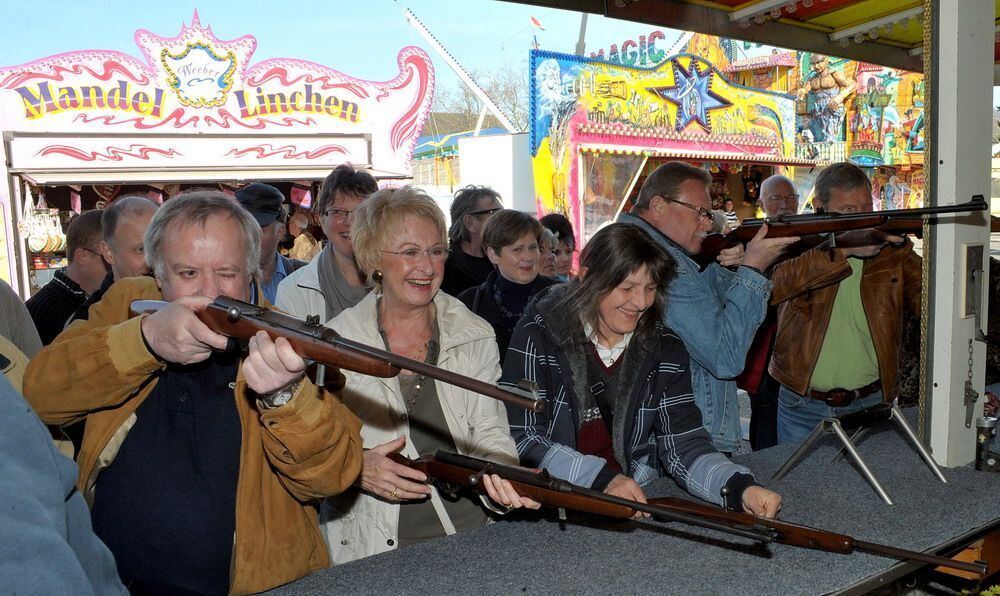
(656, 427)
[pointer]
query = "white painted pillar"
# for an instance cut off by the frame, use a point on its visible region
(959, 162)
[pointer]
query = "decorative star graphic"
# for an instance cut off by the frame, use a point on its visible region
(692, 94)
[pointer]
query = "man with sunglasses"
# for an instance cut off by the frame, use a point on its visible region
(331, 282)
(467, 265)
(716, 311)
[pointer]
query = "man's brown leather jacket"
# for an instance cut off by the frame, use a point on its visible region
(804, 290)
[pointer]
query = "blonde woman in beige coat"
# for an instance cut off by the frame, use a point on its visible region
(400, 241)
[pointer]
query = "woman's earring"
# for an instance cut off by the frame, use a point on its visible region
(377, 276)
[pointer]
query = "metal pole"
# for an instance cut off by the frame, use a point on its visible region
(839, 431)
(580, 45)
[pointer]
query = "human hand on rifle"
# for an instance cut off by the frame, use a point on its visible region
(389, 481)
(502, 492)
(626, 488)
(731, 257)
(176, 334)
(865, 243)
(271, 365)
(762, 252)
(761, 502)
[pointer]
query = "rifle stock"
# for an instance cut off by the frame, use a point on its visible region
(318, 343)
(893, 221)
(463, 471)
(312, 340)
(451, 469)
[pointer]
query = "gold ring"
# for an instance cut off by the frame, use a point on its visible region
(393, 493)
(507, 507)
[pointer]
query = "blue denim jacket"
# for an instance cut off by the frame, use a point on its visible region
(716, 312)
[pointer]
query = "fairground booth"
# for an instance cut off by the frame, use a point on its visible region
(743, 111)
(599, 128)
(189, 111)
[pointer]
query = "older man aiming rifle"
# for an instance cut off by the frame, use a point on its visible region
(840, 314)
(716, 311)
(203, 468)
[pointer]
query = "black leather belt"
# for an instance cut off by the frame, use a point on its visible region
(839, 397)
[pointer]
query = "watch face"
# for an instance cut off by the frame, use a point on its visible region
(278, 399)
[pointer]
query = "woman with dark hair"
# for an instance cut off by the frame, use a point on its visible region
(467, 265)
(621, 408)
(563, 230)
(511, 239)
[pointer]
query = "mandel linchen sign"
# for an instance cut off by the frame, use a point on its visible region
(195, 82)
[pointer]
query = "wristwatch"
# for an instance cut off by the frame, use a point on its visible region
(281, 396)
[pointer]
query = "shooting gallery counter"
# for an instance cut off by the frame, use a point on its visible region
(603, 556)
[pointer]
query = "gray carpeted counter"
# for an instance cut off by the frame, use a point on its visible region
(588, 555)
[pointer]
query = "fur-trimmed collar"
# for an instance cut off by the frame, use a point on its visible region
(565, 330)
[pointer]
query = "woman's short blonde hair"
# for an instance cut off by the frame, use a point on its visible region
(380, 217)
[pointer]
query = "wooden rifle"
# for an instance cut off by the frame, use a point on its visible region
(451, 470)
(312, 340)
(893, 221)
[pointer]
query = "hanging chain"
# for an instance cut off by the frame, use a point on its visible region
(971, 395)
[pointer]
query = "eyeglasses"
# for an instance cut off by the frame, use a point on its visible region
(793, 198)
(412, 255)
(486, 211)
(702, 212)
(93, 252)
(338, 213)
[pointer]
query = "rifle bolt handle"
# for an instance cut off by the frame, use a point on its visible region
(233, 314)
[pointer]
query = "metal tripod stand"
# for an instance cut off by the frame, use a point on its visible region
(861, 420)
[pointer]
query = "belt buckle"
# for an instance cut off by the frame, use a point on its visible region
(838, 397)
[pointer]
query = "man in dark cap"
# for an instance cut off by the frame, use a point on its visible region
(266, 204)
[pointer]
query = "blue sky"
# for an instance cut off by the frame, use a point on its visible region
(360, 39)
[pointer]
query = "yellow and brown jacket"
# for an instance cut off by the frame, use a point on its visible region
(292, 456)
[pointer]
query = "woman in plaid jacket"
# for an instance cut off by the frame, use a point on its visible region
(618, 385)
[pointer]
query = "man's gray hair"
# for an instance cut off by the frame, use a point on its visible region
(196, 208)
(130, 206)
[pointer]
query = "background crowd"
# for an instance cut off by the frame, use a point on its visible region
(208, 470)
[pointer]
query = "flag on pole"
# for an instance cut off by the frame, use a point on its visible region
(536, 23)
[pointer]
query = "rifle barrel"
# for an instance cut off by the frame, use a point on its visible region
(555, 492)
(756, 532)
(883, 550)
(806, 537)
(446, 376)
(236, 318)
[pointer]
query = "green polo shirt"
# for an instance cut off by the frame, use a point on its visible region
(847, 358)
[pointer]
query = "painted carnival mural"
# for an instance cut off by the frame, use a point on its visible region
(594, 123)
(870, 115)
